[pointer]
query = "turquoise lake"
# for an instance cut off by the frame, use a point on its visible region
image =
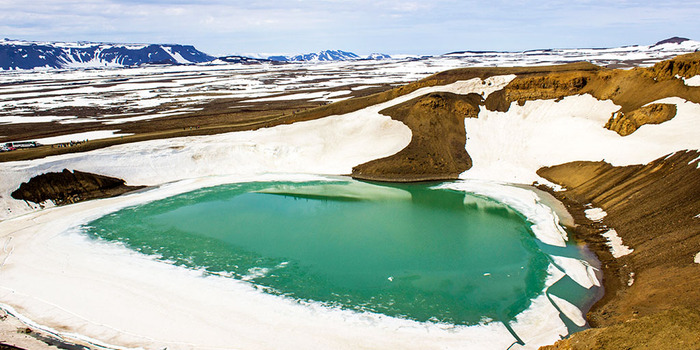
(407, 250)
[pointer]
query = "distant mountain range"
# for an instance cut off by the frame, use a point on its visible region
(16, 54)
(323, 56)
(20, 55)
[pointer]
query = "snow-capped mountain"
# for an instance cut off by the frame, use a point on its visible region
(323, 56)
(16, 54)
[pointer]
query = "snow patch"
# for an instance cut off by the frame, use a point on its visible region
(19, 119)
(693, 81)
(615, 243)
(89, 135)
(595, 214)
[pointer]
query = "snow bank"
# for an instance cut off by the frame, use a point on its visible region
(107, 292)
(511, 146)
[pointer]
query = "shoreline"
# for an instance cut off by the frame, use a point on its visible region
(590, 233)
(95, 205)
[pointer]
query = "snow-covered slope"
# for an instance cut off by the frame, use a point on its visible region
(625, 56)
(31, 55)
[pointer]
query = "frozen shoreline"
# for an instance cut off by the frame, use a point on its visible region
(209, 311)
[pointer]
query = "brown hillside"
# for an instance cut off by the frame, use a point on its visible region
(653, 208)
(669, 330)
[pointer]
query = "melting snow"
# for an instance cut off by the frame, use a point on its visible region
(615, 243)
(571, 311)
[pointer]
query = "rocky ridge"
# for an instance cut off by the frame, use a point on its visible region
(627, 123)
(430, 117)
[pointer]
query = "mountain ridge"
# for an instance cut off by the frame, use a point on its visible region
(29, 55)
(15, 55)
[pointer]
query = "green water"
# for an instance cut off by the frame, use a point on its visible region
(405, 250)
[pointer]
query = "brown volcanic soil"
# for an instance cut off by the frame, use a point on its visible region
(653, 208)
(673, 329)
(436, 150)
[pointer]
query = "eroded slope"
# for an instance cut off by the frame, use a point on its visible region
(654, 210)
(436, 116)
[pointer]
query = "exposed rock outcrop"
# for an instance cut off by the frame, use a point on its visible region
(630, 89)
(627, 123)
(686, 66)
(654, 210)
(540, 87)
(69, 187)
(436, 150)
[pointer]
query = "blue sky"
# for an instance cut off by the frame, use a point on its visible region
(363, 26)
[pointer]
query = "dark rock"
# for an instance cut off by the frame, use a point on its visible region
(69, 187)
